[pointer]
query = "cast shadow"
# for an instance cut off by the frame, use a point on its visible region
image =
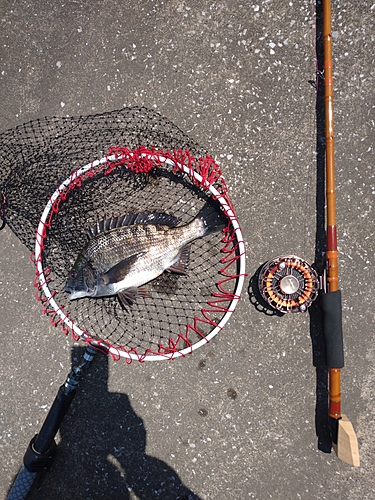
(318, 355)
(102, 453)
(256, 298)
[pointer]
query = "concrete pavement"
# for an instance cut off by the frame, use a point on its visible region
(236, 419)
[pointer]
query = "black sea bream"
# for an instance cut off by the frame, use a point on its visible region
(125, 253)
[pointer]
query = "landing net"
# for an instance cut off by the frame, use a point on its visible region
(62, 175)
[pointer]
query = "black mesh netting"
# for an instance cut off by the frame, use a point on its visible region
(38, 156)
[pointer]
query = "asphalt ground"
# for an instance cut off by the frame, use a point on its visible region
(240, 418)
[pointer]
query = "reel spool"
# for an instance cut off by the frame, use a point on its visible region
(288, 284)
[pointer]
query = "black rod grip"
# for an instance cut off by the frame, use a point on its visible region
(332, 328)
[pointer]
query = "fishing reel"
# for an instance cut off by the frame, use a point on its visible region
(288, 284)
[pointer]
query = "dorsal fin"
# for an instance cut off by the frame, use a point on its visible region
(130, 220)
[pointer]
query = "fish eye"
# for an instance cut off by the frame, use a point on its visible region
(73, 275)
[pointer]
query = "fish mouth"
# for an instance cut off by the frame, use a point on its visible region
(74, 294)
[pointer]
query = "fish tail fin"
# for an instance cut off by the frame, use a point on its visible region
(212, 219)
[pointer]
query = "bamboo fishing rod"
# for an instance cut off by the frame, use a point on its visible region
(342, 433)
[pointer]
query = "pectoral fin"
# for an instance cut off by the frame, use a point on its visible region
(119, 271)
(181, 265)
(128, 296)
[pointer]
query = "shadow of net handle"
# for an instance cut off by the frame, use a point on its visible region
(332, 328)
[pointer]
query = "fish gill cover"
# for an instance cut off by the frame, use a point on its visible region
(147, 165)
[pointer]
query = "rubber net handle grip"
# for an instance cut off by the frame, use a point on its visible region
(22, 484)
(332, 328)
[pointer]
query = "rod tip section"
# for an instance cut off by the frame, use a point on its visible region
(347, 443)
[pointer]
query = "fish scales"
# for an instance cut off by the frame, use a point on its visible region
(159, 246)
